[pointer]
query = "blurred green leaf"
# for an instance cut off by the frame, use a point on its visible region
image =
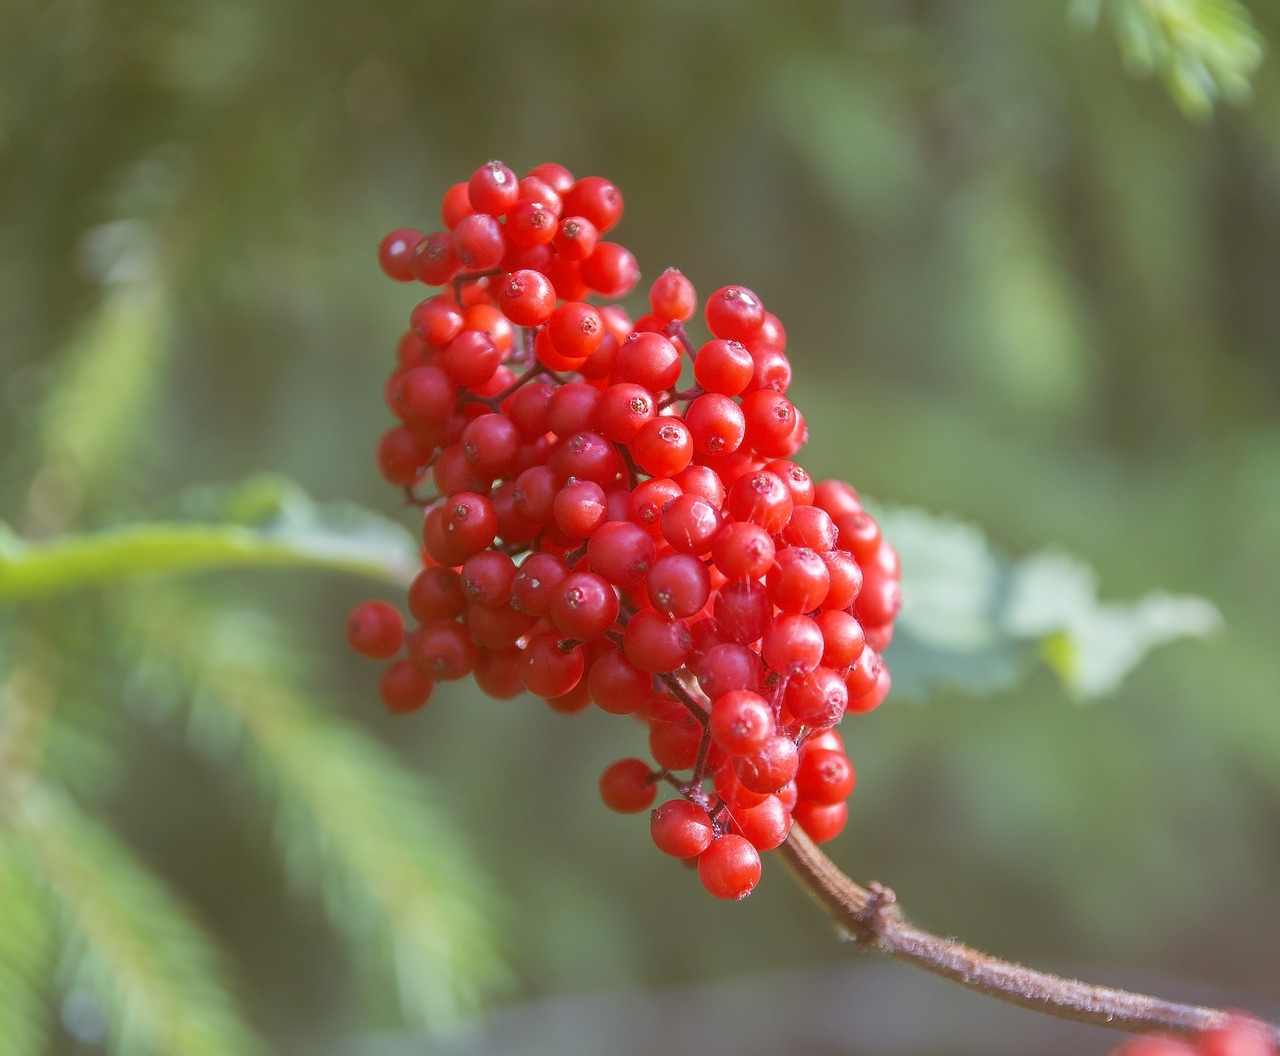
(109, 374)
(26, 955)
(1203, 50)
(153, 970)
(297, 532)
(352, 821)
(974, 619)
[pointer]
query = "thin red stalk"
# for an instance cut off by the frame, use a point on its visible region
(872, 917)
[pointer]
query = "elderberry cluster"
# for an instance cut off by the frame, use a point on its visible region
(615, 518)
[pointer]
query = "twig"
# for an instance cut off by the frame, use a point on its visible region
(871, 916)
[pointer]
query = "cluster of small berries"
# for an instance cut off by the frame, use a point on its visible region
(1241, 1037)
(617, 520)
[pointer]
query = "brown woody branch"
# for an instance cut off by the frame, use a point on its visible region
(871, 916)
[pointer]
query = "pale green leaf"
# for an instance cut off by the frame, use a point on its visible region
(973, 619)
(26, 955)
(109, 375)
(351, 819)
(302, 534)
(154, 973)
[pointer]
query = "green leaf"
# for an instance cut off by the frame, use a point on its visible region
(26, 954)
(352, 821)
(1203, 50)
(973, 619)
(1090, 644)
(155, 973)
(297, 533)
(109, 374)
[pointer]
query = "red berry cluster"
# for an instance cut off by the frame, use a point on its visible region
(1241, 1037)
(617, 520)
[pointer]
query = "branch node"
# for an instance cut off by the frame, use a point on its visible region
(877, 916)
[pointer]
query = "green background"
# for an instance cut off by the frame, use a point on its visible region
(1021, 284)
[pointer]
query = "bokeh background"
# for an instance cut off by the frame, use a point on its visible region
(1023, 282)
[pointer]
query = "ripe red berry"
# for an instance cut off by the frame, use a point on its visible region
(825, 777)
(628, 786)
(403, 688)
(550, 666)
(375, 629)
(730, 867)
(820, 823)
(492, 189)
(478, 242)
(741, 722)
(662, 447)
(672, 296)
(681, 829)
(648, 360)
(395, 253)
(766, 824)
(596, 199)
(442, 651)
(734, 313)
(611, 270)
(527, 297)
(575, 238)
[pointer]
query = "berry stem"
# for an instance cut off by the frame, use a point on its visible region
(676, 330)
(683, 696)
(494, 403)
(871, 916)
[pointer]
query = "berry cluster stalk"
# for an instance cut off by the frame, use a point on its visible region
(871, 916)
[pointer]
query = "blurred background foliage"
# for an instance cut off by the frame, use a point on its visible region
(1026, 256)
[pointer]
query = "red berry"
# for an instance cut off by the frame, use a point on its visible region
(662, 447)
(549, 667)
(526, 297)
(743, 550)
(741, 722)
(648, 360)
(734, 313)
(401, 457)
(766, 824)
(375, 629)
(724, 366)
(825, 777)
(596, 199)
(717, 424)
(455, 204)
(628, 786)
(690, 524)
(611, 271)
(770, 766)
(792, 644)
(730, 867)
(617, 685)
(655, 643)
(575, 238)
(679, 585)
(478, 242)
(442, 651)
(820, 823)
(403, 688)
(622, 552)
(530, 223)
(672, 296)
(395, 253)
(557, 177)
(492, 189)
(584, 606)
(681, 829)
